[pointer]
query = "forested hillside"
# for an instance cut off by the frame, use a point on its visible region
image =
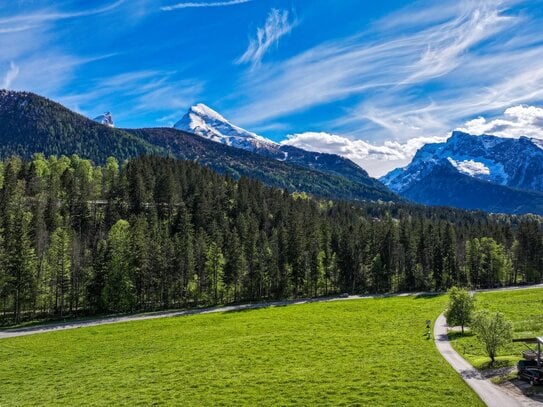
(237, 163)
(32, 124)
(159, 233)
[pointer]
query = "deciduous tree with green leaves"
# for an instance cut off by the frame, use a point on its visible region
(494, 331)
(461, 307)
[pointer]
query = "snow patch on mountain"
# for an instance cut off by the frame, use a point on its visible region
(470, 167)
(537, 142)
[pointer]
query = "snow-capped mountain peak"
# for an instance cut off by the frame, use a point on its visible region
(105, 119)
(206, 122)
(514, 163)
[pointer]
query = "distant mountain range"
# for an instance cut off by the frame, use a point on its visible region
(471, 172)
(205, 122)
(485, 172)
(33, 124)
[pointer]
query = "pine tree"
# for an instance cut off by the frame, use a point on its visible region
(119, 290)
(235, 268)
(214, 268)
(20, 260)
(59, 268)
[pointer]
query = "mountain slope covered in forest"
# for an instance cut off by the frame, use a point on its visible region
(207, 123)
(32, 124)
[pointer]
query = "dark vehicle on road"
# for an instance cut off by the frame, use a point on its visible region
(533, 376)
(526, 364)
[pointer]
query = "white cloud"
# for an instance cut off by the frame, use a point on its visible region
(10, 76)
(376, 159)
(277, 25)
(378, 63)
(517, 121)
(198, 5)
(15, 29)
(47, 15)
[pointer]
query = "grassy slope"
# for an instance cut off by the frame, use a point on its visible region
(523, 307)
(339, 353)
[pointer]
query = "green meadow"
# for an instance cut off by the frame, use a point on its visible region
(523, 307)
(356, 352)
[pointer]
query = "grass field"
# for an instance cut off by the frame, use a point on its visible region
(523, 307)
(364, 352)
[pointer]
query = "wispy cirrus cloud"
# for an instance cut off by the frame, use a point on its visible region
(487, 87)
(192, 4)
(51, 15)
(454, 38)
(43, 64)
(10, 76)
(166, 92)
(414, 75)
(375, 61)
(15, 29)
(278, 24)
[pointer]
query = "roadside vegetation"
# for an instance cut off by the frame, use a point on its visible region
(523, 308)
(355, 352)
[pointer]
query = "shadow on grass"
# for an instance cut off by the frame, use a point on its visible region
(427, 296)
(497, 365)
(459, 335)
(243, 310)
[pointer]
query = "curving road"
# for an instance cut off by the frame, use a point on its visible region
(491, 394)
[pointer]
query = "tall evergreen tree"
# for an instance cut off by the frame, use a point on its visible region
(118, 292)
(59, 268)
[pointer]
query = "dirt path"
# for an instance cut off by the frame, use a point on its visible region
(491, 394)
(10, 333)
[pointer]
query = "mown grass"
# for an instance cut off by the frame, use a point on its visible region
(364, 352)
(523, 307)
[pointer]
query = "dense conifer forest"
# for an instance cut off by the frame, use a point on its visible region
(156, 233)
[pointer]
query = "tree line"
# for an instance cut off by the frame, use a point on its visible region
(156, 233)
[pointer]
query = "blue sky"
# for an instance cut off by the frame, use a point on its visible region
(370, 80)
